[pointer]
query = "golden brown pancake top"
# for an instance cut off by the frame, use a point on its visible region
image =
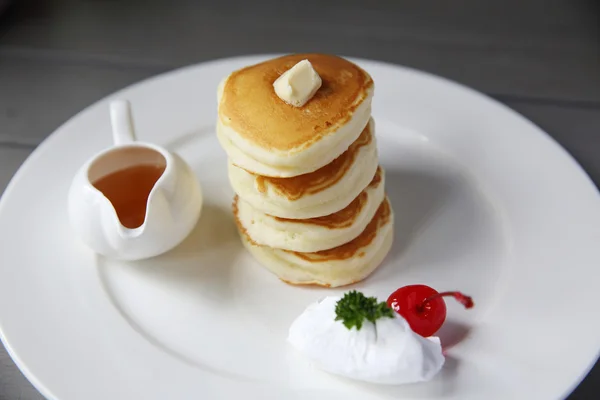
(295, 187)
(251, 107)
(345, 217)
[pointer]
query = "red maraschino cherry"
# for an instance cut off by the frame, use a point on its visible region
(423, 307)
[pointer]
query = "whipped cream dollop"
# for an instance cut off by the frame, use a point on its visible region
(385, 352)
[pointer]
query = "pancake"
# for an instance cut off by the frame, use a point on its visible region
(342, 265)
(264, 135)
(314, 234)
(322, 192)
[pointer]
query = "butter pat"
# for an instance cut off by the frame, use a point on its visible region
(298, 85)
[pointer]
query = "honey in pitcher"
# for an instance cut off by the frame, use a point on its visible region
(128, 190)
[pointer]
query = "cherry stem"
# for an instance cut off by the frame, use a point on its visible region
(463, 299)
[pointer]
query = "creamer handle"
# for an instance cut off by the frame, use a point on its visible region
(121, 122)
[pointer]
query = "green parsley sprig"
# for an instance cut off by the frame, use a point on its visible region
(355, 307)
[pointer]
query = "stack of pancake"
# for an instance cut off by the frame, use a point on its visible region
(310, 201)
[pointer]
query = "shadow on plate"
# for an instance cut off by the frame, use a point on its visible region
(416, 197)
(438, 217)
(442, 385)
(201, 264)
(453, 333)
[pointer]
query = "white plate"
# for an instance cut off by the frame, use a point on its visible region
(485, 202)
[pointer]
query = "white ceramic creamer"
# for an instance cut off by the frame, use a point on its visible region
(134, 200)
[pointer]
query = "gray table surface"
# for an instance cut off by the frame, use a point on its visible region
(540, 57)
